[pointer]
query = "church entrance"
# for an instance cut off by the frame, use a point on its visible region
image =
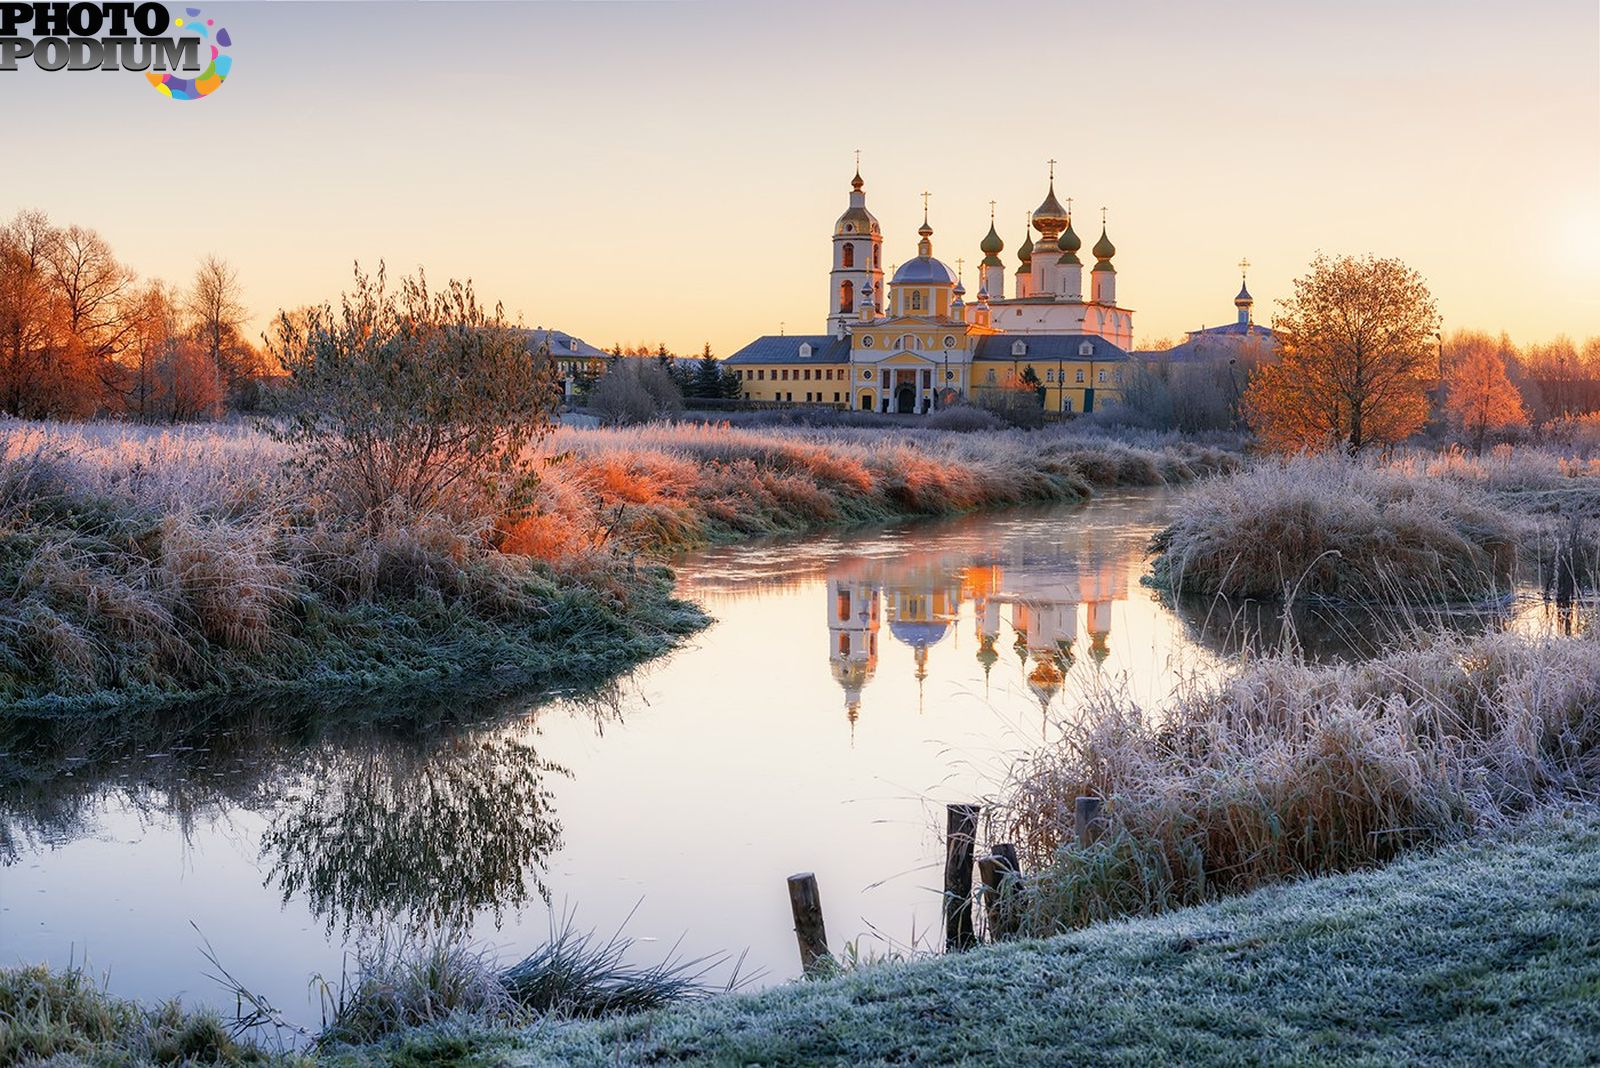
(905, 400)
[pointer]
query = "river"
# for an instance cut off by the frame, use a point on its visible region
(851, 686)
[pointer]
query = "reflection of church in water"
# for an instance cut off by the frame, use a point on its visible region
(1054, 612)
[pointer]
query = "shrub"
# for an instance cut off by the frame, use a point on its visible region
(963, 418)
(414, 398)
(636, 391)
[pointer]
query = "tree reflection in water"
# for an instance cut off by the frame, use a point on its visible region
(421, 837)
(391, 811)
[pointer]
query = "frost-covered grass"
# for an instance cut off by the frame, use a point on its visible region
(1421, 528)
(1485, 952)
(1287, 769)
(142, 565)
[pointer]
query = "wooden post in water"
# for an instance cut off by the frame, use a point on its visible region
(1088, 818)
(806, 903)
(961, 831)
(1003, 918)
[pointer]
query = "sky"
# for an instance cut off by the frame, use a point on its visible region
(671, 170)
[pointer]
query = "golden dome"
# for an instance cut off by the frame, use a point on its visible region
(1050, 218)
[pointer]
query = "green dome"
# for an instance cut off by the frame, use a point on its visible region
(1103, 248)
(1025, 253)
(991, 243)
(1070, 241)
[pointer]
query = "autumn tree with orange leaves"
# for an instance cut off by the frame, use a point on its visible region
(1480, 396)
(1356, 358)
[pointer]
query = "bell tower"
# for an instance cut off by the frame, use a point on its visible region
(857, 272)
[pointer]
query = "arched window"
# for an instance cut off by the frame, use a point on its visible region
(916, 300)
(847, 294)
(849, 255)
(877, 256)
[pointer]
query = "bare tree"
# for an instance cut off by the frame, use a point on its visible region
(215, 304)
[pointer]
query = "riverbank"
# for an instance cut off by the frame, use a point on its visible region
(143, 567)
(1485, 951)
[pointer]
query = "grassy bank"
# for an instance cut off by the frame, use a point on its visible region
(140, 566)
(1484, 952)
(1421, 528)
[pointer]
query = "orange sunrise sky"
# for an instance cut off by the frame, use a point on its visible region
(644, 171)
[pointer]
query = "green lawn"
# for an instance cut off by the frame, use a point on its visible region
(1483, 953)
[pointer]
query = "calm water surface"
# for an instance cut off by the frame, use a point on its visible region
(851, 687)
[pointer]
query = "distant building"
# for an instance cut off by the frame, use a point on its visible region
(576, 359)
(1243, 340)
(916, 343)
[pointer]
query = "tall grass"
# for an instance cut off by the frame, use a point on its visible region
(1289, 769)
(155, 565)
(1419, 528)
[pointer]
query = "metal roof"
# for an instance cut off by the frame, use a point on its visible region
(1047, 347)
(562, 343)
(785, 348)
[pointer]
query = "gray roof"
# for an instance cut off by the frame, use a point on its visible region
(562, 343)
(1047, 347)
(785, 348)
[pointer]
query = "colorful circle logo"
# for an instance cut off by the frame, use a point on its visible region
(216, 72)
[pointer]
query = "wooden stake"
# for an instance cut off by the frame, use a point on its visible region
(961, 831)
(1090, 823)
(806, 904)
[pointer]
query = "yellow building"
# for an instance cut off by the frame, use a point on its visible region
(916, 344)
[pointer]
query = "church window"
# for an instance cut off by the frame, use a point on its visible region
(1049, 376)
(1019, 348)
(866, 374)
(1066, 402)
(877, 256)
(849, 254)
(949, 342)
(847, 296)
(1086, 348)
(916, 300)
(866, 342)
(1080, 376)
(1102, 376)
(989, 378)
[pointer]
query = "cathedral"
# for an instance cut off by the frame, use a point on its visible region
(914, 343)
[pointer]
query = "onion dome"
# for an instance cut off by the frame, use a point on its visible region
(1070, 244)
(1050, 218)
(1103, 251)
(924, 270)
(1244, 299)
(856, 218)
(1025, 255)
(991, 245)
